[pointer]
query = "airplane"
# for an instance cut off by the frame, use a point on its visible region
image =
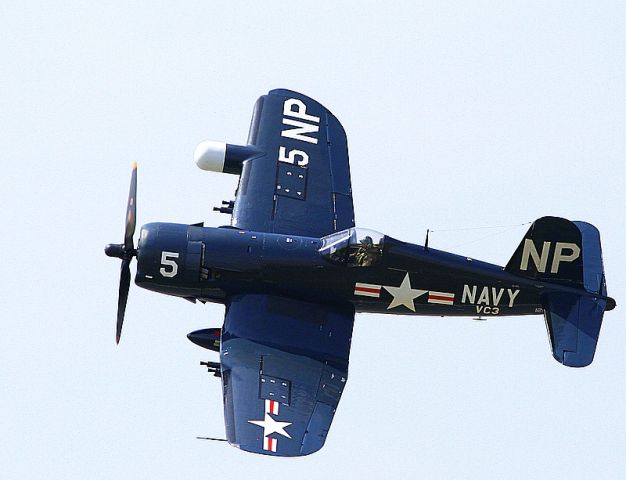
(292, 269)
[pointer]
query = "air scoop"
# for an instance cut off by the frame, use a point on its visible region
(223, 157)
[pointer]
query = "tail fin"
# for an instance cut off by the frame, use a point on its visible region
(568, 253)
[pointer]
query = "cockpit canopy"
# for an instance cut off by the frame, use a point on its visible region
(355, 247)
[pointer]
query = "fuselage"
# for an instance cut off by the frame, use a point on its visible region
(373, 272)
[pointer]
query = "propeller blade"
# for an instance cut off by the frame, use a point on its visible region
(123, 297)
(125, 251)
(131, 211)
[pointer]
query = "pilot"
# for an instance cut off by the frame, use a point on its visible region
(367, 253)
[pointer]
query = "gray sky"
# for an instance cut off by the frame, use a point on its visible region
(457, 114)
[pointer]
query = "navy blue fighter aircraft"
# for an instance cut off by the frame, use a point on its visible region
(292, 269)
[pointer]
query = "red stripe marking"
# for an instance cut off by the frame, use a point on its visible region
(270, 444)
(367, 289)
(439, 297)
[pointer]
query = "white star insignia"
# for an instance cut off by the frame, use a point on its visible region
(404, 294)
(271, 426)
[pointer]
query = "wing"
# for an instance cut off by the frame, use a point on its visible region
(300, 184)
(284, 365)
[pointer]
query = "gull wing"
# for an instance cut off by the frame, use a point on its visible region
(300, 182)
(284, 365)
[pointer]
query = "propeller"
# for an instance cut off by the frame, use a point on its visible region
(125, 251)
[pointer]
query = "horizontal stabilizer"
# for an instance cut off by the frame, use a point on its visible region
(573, 323)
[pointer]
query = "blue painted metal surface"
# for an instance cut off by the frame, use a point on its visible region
(283, 360)
(301, 184)
(574, 321)
(574, 326)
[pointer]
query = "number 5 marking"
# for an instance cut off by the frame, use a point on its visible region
(168, 262)
(292, 158)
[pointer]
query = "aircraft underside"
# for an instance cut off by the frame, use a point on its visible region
(292, 269)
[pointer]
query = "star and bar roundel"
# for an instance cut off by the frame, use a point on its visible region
(404, 294)
(270, 425)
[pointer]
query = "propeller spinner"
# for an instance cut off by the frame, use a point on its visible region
(125, 251)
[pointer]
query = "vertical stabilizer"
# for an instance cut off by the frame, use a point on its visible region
(568, 253)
